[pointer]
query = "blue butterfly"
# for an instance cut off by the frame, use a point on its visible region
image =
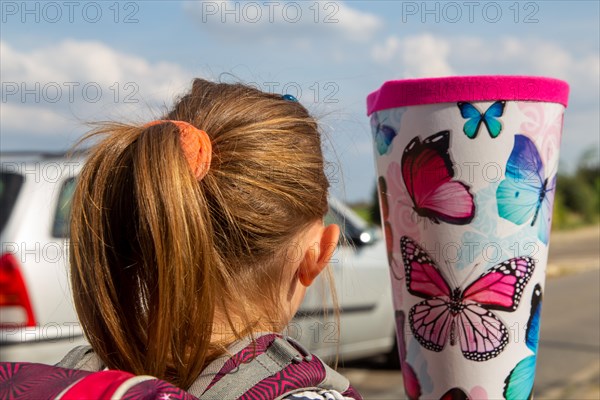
(384, 134)
(475, 118)
(526, 194)
(519, 383)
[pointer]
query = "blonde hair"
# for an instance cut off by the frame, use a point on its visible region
(155, 251)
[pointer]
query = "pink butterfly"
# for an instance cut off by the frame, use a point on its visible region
(463, 315)
(427, 172)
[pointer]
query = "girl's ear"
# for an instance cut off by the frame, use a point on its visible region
(317, 255)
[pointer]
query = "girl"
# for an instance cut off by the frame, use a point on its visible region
(196, 235)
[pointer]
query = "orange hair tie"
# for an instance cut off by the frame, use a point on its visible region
(195, 144)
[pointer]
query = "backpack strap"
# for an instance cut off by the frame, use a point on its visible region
(279, 355)
(82, 358)
(272, 367)
(209, 373)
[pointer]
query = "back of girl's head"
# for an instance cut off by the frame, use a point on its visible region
(155, 251)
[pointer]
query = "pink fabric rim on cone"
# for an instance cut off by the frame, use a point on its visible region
(413, 92)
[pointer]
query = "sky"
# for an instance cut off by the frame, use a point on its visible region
(66, 63)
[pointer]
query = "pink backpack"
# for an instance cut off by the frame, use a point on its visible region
(274, 367)
(39, 381)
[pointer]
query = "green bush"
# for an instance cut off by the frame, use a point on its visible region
(578, 195)
(560, 212)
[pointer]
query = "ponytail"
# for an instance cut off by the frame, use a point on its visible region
(142, 283)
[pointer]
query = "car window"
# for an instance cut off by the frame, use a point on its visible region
(348, 230)
(10, 186)
(331, 218)
(60, 227)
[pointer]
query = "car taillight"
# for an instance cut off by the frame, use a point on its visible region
(15, 306)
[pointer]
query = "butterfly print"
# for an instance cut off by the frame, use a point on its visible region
(427, 172)
(519, 383)
(475, 118)
(383, 134)
(463, 316)
(526, 194)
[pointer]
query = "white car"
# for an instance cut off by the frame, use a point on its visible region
(38, 322)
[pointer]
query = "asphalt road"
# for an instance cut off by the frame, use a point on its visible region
(568, 356)
(572, 251)
(570, 331)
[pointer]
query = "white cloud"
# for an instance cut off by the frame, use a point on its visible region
(356, 24)
(425, 55)
(388, 51)
(32, 120)
(89, 61)
(527, 56)
(51, 89)
(273, 21)
(428, 55)
(418, 56)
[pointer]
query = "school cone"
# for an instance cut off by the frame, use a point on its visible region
(467, 172)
